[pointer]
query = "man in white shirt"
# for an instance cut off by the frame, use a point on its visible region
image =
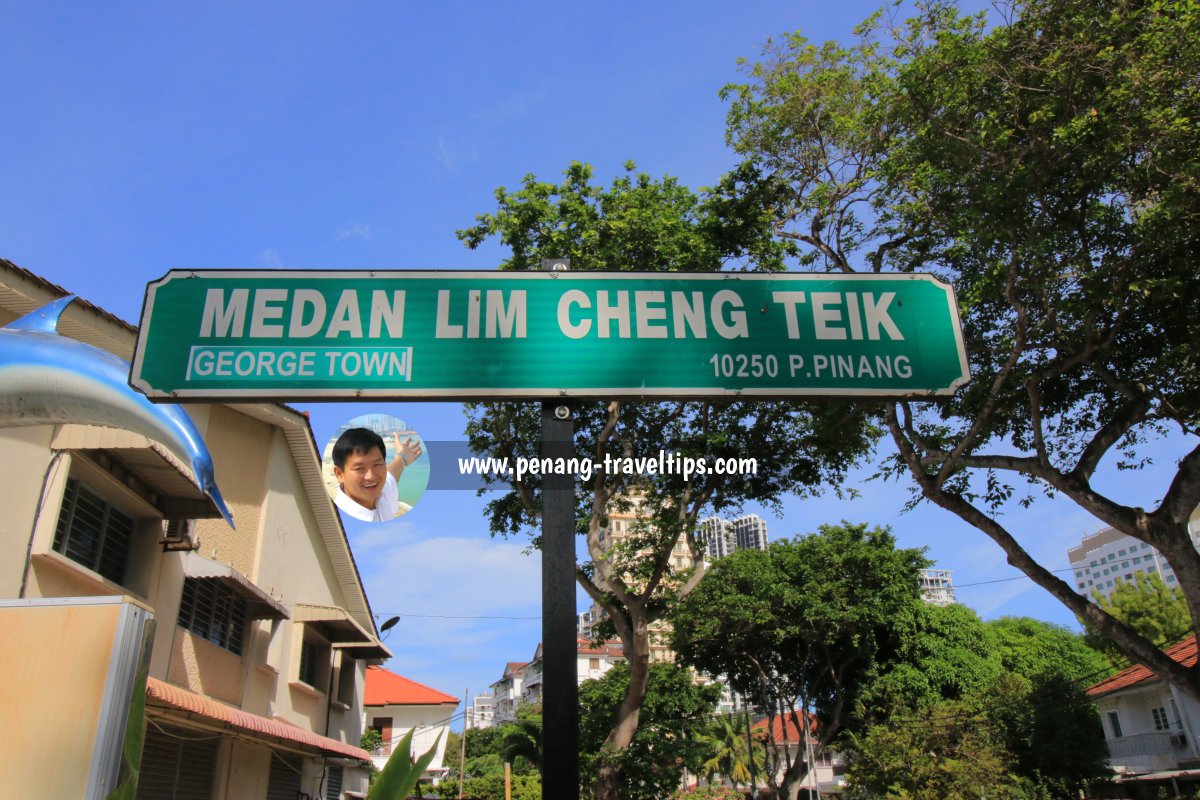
(367, 485)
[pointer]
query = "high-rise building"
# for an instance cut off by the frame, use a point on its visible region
(718, 538)
(722, 536)
(937, 587)
(750, 532)
(1108, 556)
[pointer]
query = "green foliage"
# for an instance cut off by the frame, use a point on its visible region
(945, 653)
(817, 613)
(371, 740)
(1040, 704)
(665, 744)
(520, 741)
(487, 749)
(806, 623)
(491, 787)
(731, 751)
(1045, 166)
(1012, 705)
(636, 223)
(1148, 606)
(402, 771)
(950, 751)
(707, 793)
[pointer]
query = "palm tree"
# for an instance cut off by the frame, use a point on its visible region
(726, 740)
(523, 737)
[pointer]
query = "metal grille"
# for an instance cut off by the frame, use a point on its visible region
(212, 611)
(177, 764)
(92, 532)
(333, 784)
(284, 781)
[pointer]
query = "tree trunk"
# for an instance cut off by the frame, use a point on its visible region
(636, 645)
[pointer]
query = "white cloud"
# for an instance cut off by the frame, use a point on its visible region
(356, 231)
(451, 576)
(446, 156)
(270, 259)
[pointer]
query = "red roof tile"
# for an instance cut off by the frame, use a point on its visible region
(386, 688)
(1184, 653)
(785, 733)
(166, 694)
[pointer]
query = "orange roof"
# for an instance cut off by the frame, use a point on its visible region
(610, 648)
(1184, 653)
(386, 688)
(166, 694)
(785, 733)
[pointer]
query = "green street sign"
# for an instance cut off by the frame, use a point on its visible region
(451, 335)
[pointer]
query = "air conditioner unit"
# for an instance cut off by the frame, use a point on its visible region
(179, 535)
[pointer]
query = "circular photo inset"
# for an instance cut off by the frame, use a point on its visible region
(375, 468)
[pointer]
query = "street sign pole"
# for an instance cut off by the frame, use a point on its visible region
(560, 687)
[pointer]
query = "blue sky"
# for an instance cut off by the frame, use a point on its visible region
(354, 134)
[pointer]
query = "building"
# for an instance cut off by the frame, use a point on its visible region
(788, 744)
(937, 587)
(482, 712)
(521, 683)
(718, 538)
(263, 634)
(509, 691)
(750, 532)
(1150, 726)
(394, 705)
(1108, 556)
(722, 536)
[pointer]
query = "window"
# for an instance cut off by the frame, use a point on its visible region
(1121, 552)
(92, 532)
(346, 675)
(1114, 722)
(1124, 565)
(333, 784)
(384, 726)
(1160, 719)
(1170, 579)
(211, 610)
(593, 663)
(314, 662)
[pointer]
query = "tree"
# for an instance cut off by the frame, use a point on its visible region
(1046, 167)
(944, 654)
(730, 752)
(674, 710)
(1005, 697)
(803, 625)
(646, 224)
(949, 750)
(1040, 706)
(1148, 606)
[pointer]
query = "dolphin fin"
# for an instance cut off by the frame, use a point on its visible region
(45, 319)
(214, 494)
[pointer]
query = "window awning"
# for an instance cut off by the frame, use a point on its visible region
(375, 651)
(342, 630)
(162, 694)
(259, 604)
(176, 491)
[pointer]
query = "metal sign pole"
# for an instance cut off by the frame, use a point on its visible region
(560, 687)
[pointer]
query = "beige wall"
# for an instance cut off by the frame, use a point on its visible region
(26, 454)
(240, 447)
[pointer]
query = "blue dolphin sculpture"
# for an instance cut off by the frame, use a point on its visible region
(49, 379)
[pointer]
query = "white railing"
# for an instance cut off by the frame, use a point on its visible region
(1148, 752)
